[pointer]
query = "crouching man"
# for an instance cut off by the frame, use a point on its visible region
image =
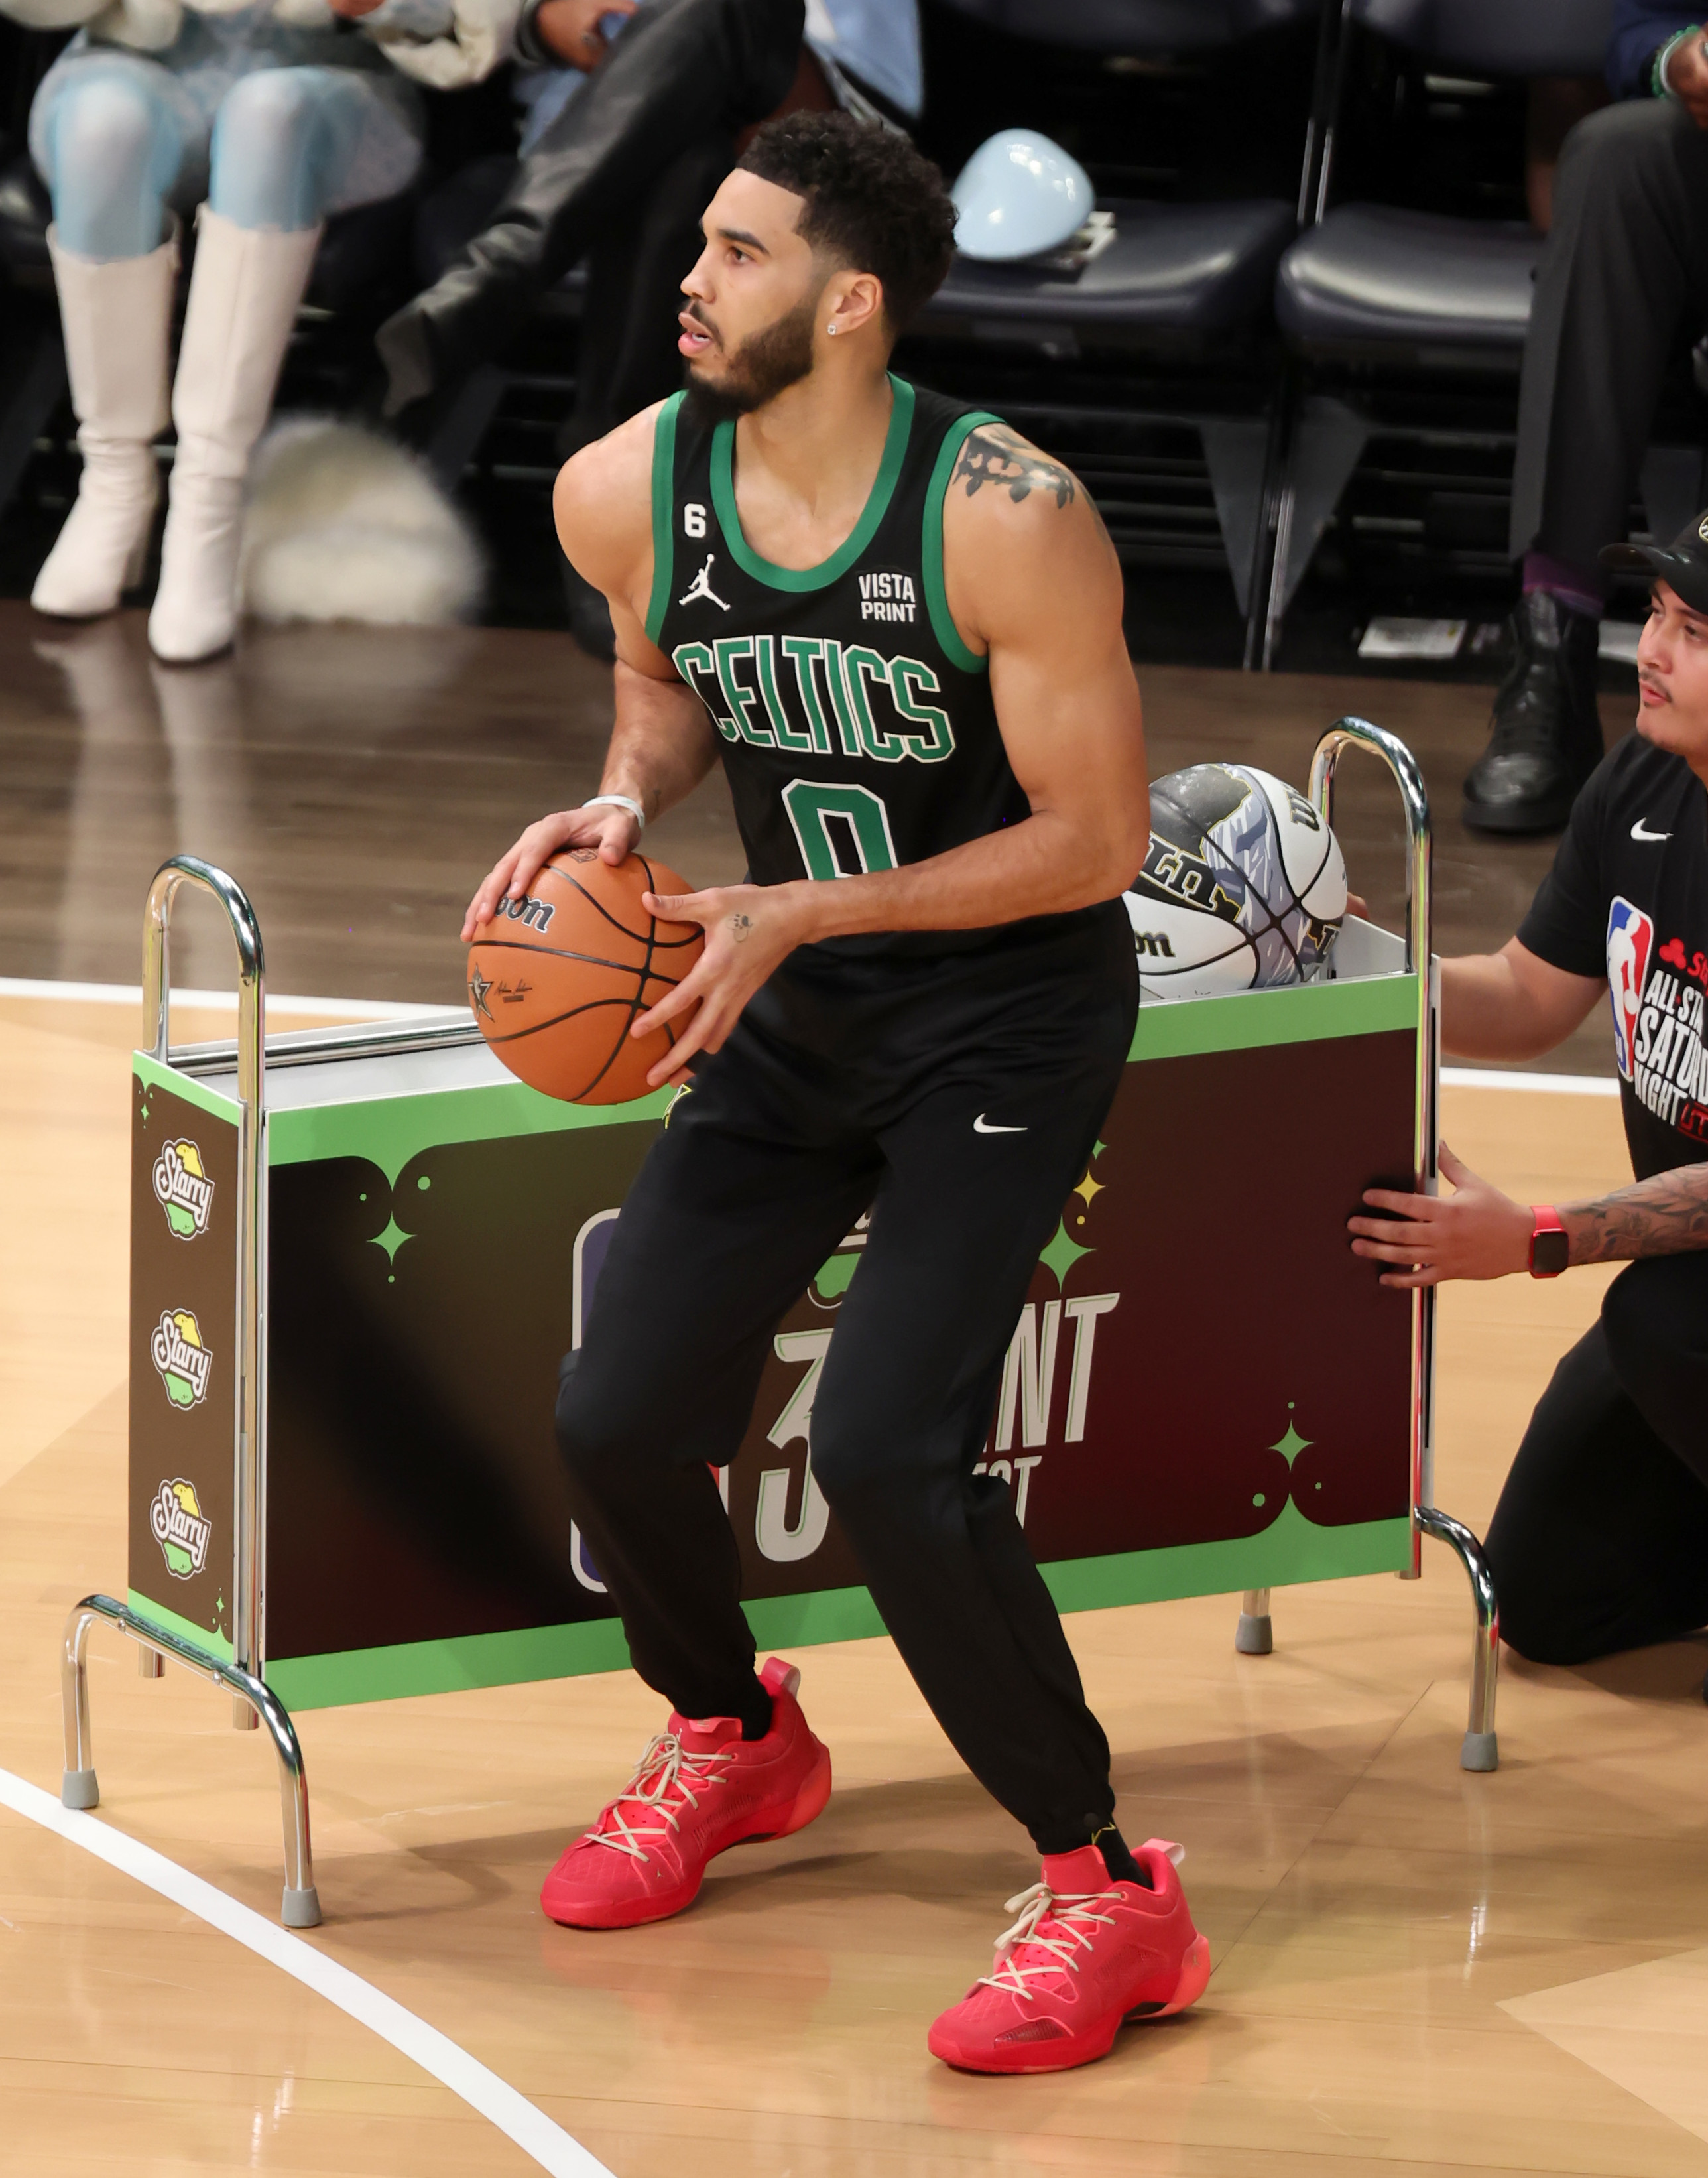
(1601, 1539)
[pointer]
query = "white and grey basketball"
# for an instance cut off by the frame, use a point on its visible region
(1243, 886)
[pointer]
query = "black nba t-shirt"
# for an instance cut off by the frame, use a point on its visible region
(1628, 898)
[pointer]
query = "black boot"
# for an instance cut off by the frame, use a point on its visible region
(1544, 738)
(681, 69)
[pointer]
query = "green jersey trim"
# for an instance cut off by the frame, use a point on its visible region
(936, 596)
(876, 506)
(663, 506)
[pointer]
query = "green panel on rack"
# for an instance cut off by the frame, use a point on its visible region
(153, 1075)
(200, 1636)
(439, 1667)
(1307, 1013)
(1293, 1549)
(388, 1131)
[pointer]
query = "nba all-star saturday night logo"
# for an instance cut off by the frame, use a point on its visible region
(1659, 1009)
(176, 1519)
(183, 1189)
(178, 1353)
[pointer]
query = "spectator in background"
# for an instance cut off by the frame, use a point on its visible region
(262, 118)
(632, 124)
(1626, 258)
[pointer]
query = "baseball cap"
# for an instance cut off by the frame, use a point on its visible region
(1682, 564)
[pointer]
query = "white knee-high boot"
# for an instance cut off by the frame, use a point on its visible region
(118, 323)
(243, 295)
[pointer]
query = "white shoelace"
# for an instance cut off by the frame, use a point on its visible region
(667, 1768)
(1074, 1913)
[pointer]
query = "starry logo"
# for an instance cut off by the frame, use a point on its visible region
(178, 1352)
(479, 990)
(183, 1189)
(175, 1520)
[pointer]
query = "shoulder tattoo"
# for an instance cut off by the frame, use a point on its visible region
(994, 454)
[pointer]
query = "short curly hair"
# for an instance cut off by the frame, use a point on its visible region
(872, 200)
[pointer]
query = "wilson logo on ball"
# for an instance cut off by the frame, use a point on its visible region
(1243, 886)
(532, 914)
(557, 980)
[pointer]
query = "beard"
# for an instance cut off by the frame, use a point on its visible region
(766, 364)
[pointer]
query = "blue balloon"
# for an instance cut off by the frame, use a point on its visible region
(1018, 195)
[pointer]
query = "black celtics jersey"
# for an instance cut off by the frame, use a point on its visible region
(856, 728)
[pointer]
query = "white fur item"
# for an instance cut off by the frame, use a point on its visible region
(343, 524)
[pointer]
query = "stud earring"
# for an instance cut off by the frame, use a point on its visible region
(831, 329)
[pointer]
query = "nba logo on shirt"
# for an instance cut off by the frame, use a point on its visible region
(1630, 942)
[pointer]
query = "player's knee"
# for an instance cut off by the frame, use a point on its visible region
(267, 120)
(597, 1421)
(1613, 155)
(1535, 1617)
(104, 132)
(869, 1449)
(842, 1446)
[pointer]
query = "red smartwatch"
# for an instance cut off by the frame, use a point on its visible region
(1550, 1250)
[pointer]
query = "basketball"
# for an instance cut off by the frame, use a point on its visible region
(559, 976)
(1243, 886)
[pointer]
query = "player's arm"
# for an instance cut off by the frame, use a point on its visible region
(1477, 1232)
(662, 741)
(1511, 1004)
(1033, 580)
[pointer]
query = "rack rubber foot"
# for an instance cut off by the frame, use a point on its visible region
(1255, 1636)
(79, 1790)
(301, 1909)
(1481, 1751)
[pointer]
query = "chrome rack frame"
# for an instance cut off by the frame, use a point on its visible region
(1480, 1749)
(254, 1702)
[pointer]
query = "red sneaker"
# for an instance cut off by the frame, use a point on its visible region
(1085, 1954)
(699, 1789)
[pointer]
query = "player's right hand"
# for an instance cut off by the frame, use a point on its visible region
(613, 832)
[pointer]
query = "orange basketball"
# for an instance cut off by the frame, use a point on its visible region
(558, 976)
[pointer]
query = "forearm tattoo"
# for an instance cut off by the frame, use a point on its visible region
(1665, 1216)
(994, 454)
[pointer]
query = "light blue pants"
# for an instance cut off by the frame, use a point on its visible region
(271, 137)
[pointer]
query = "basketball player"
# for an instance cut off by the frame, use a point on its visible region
(1600, 1541)
(899, 626)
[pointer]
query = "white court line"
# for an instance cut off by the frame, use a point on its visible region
(446, 2061)
(130, 994)
(1548, 1085)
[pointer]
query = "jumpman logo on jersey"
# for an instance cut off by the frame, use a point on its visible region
(701, 587)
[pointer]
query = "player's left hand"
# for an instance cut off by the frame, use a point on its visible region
(1477, 1232)
(749, 930)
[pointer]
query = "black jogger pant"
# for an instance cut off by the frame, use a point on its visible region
(1625, 262)
(1600, 1541)
(959, 1100)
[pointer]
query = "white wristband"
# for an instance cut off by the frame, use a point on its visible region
(619, 801)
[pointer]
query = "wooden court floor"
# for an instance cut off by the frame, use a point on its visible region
(1415, 1967)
